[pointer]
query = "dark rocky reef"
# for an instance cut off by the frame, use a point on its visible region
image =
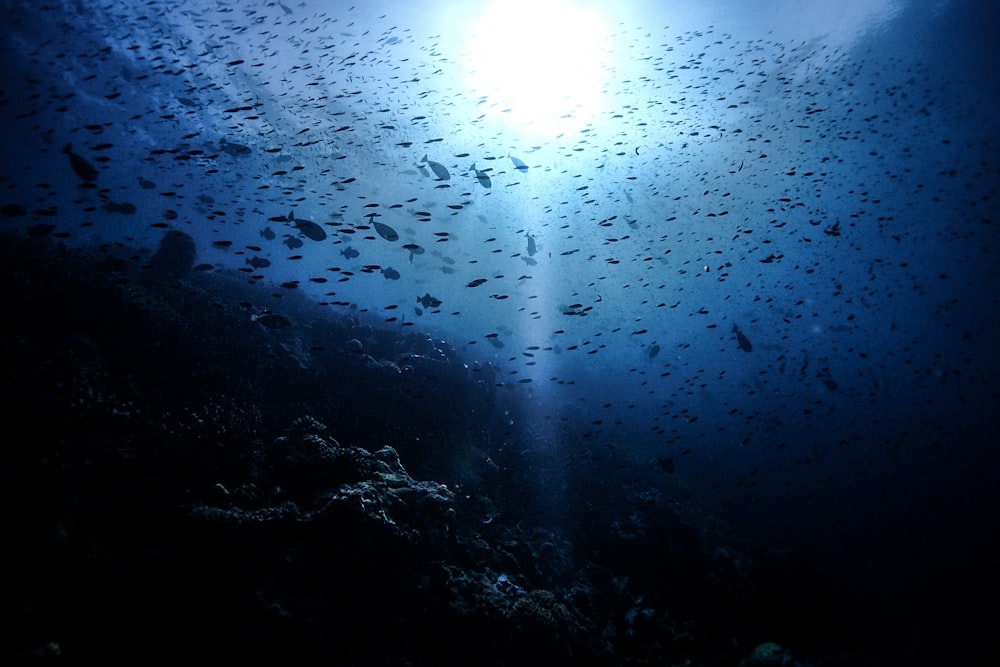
(183, 481)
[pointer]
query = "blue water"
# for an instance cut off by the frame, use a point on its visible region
(823, 179)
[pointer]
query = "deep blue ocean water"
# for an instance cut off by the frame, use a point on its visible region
(755, 258)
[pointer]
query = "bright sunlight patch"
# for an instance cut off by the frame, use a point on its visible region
(540, 65)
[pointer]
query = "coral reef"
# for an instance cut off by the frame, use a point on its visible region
(181, 483)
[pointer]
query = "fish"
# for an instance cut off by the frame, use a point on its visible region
(270, 320)
(439, 169)
(520, 166)
(308, 228)
(828, 381)
(384, 230)
(484, 180)
(532, 248)
(414, 250)
(39, 231)
(83, 169)
(390, 273)
(743, 341)
(236, 150)
(258, 262)
(427, 301)
(125, 208)
(267, 233)
(350, 253)
(292, 242)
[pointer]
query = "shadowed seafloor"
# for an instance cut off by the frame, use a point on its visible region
(182, 480)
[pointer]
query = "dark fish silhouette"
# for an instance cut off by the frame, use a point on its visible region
(520, 166)
(384, 230)
(83, 169)
(413, 249)
(743, 341)
(125, 208)
(439, 169)
(236, 150)
(484, 180)
(349, 253)
(308, 228)
(270, 320)
(427, 301)
(827, 378)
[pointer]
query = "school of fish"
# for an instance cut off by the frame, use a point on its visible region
(743, 237)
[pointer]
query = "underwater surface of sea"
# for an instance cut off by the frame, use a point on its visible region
(430, 333)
